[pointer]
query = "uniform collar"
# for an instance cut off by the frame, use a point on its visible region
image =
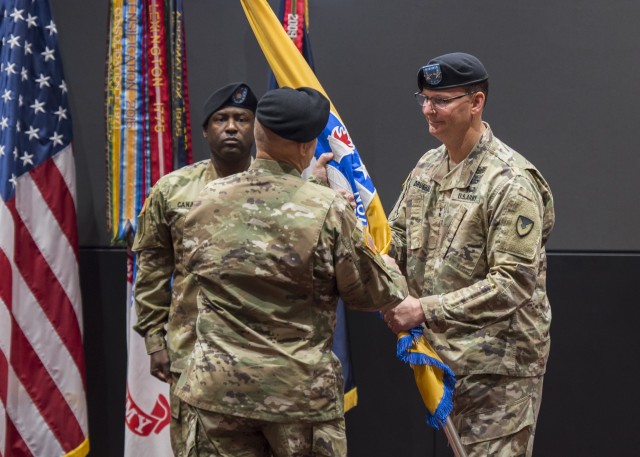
(460, 175)
(274, 167)
(211, 173)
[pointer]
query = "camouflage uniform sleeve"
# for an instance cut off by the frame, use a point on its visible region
(398, 225)
(514, 246)
(155, 259)
(364, 281)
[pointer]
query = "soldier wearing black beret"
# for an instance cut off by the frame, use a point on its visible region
(469, 230)
(227, 125)
(165, 300)
(294, 114)
(290, 120)
(262, 379)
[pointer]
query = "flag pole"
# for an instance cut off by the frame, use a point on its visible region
(454, 439)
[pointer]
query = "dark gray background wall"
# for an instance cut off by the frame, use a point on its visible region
(563, 92)
(563, 75)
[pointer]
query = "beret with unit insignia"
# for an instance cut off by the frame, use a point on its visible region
(235, 94)
(451, 70)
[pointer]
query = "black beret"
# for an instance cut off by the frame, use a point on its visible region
(451, 70)
(234, 94)
(295, 114)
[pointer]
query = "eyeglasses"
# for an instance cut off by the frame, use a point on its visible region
(437, 102)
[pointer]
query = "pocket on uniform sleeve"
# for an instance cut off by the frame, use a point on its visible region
(147, 236)
(498, 422)
(521, 227)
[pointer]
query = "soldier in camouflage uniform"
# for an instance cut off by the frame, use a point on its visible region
(262, 379)
(469, 232)
(165, 307)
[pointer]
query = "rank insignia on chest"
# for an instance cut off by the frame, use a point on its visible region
(524, 225)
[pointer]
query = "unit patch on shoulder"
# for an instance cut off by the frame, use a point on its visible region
(524, 225)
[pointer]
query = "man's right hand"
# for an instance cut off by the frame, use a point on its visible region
(391, 262)
(160, 365)
(405, 316)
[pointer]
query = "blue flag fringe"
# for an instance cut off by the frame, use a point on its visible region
(439, 416)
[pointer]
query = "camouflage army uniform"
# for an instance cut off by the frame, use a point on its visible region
(158, 244)
(285, 250)
(471, 242)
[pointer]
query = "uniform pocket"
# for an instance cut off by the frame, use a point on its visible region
(174, 399)
(487, 425)
(191, 439)
(464, 242)
(416, 222)
(197, 443)
(330, 439)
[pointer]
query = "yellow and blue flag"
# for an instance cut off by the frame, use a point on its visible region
(347, 171)
(435, 380)
(294, 17)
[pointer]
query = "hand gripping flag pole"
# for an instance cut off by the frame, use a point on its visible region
(434, 379)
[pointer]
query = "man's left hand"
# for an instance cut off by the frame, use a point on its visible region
(320, 168)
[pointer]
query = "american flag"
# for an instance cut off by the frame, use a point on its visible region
(42, 372)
